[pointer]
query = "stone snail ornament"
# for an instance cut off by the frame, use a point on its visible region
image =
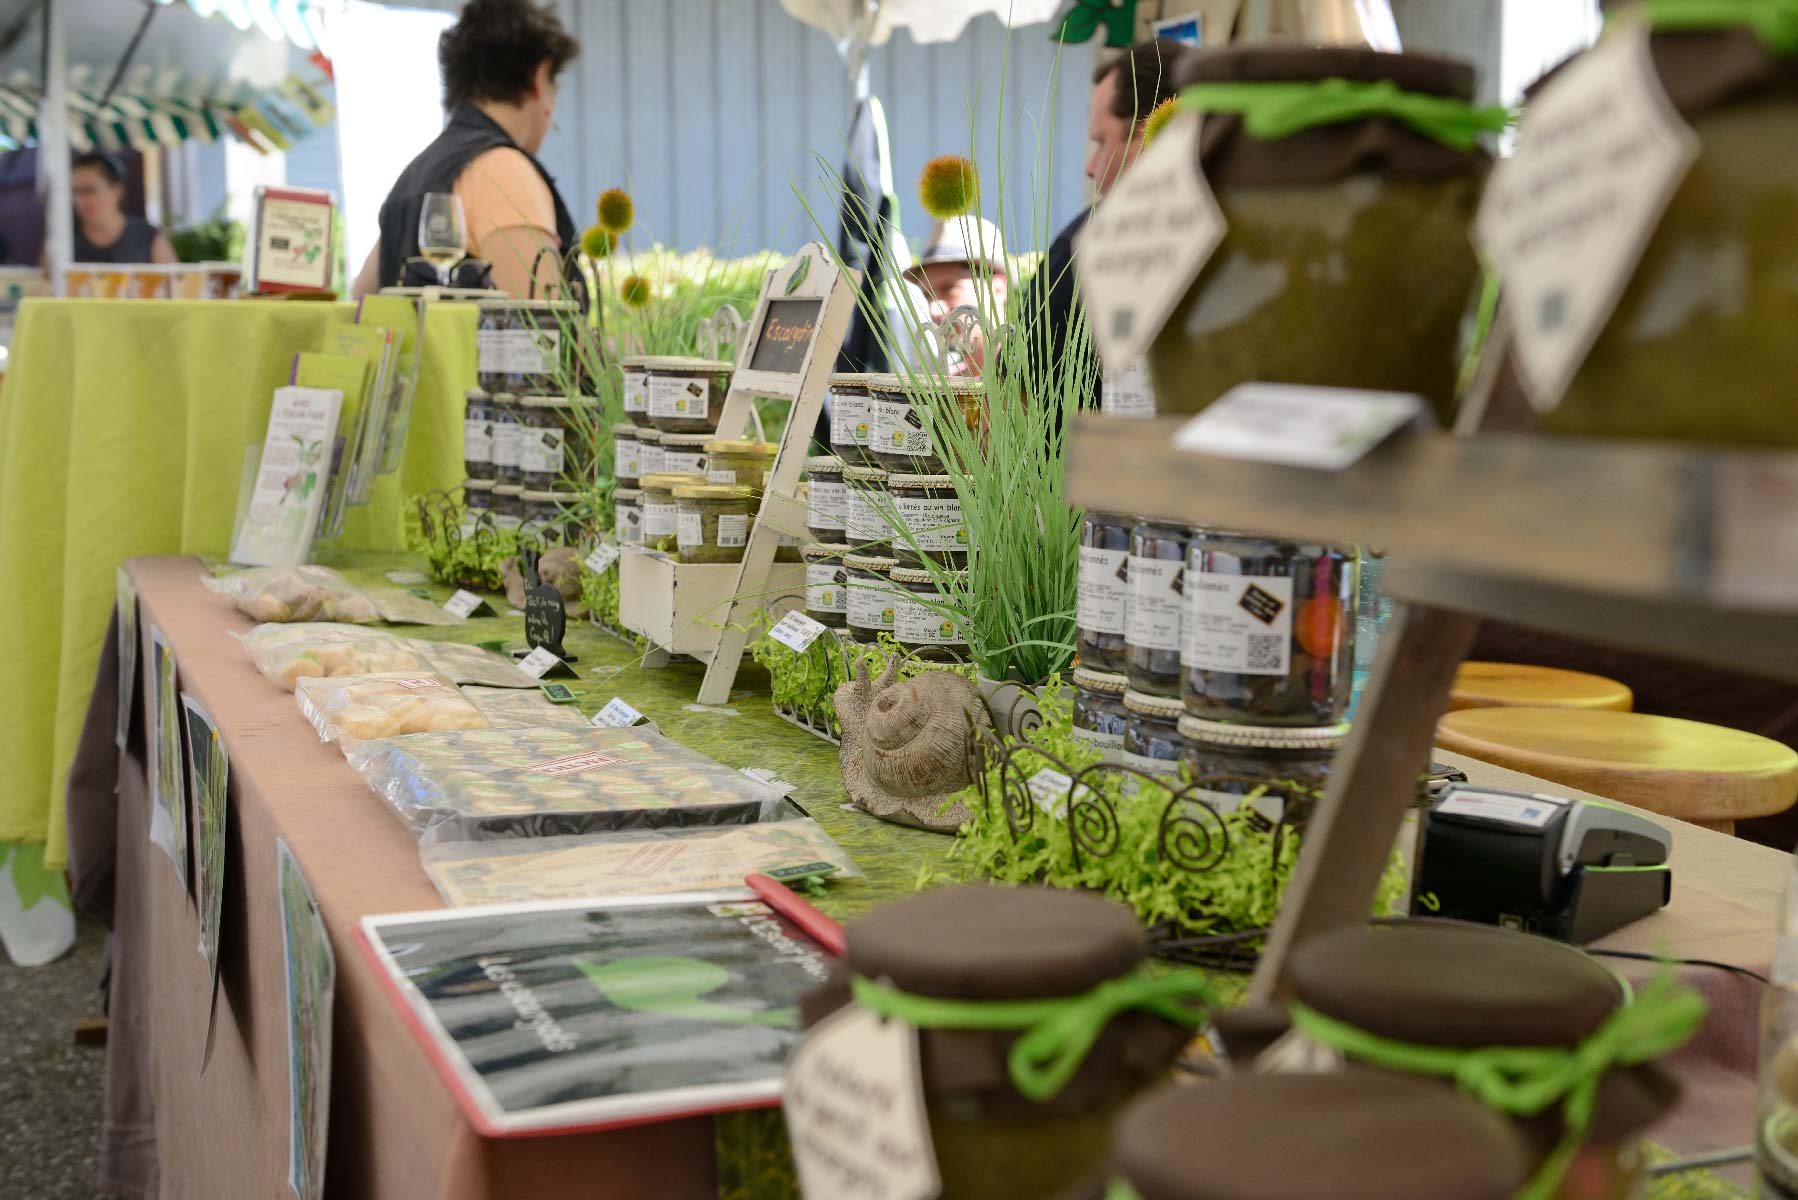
(906, 744)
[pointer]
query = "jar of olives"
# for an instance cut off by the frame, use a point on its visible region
(827, 500)
(1229, 762)
(627, 453)
(919, 624)
(864, 521)
(508, 439)
(1269, 637)
(1099, 712)
(826, 585)
(477, 435)
(627, 516)
(929, 508)
(634, 386)
(870, 608)
(743, 463)
(684, 453)
(1102, 616)
(508, 505)
(686, 395)
(1157, 602)
(902, 440)
(1152, 736)
(712, 522)
(852, 418)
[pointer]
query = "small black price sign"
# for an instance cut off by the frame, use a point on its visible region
(786, 335)
(545, 616)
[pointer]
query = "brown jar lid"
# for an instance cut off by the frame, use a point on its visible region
(994, 943)
(1357, 1136)
(1448, 984)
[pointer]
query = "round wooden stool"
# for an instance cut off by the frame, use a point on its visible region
(1704, 774)
(1514, 685)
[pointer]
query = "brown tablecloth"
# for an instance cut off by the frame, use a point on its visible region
(395, 1131)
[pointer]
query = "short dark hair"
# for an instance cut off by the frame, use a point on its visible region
(493, 51)
(1146, 72)
(106, 164)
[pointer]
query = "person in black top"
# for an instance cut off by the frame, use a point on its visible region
(103, 231)
(1126, 90)
(499, 61)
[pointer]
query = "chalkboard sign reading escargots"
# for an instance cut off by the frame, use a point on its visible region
(786, 335)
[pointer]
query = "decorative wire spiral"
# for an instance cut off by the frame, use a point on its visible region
(1191, 834)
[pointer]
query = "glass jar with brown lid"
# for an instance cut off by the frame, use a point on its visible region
(686, 395)
(903, 441)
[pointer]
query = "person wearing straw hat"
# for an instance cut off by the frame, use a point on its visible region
(962, 266)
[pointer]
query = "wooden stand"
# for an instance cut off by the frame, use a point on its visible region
(1670, 548)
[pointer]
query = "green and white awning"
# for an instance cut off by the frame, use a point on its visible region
(135, 121)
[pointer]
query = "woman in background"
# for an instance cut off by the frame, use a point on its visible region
(103, 232)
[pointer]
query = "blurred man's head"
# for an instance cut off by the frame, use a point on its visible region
(1125, 91)
(962, 258)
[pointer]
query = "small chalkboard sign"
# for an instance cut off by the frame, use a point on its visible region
(786, 336)
(545, 616)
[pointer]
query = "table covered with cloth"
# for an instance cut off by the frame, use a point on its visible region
(395, 1131)
(123, 426)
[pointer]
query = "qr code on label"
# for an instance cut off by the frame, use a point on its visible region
(1264, 652)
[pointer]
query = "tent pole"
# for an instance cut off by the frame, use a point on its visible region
(53, 148)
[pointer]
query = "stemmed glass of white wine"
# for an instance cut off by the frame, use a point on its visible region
(442, 232)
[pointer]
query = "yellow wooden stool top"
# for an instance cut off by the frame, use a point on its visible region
(1515, 685)
(1684, 769)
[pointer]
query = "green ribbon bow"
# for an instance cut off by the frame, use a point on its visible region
(1084, 19)
(1057, 1033)
(1774, 22)
(1525, 1081)
(1271, 111)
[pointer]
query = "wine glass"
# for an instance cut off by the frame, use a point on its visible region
(442, 232)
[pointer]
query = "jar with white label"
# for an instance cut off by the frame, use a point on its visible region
(864, 520)
(495, 324)
(553, 430)
(1157, 603)
(477, 494)
(649, 452)
(826, 585)
(551, 513)
(902, 439)
(508, 438)
(743, 463)
(920, 625)
(712, 522)
(1103, 611)
(684, 453)
(659, 526)
(1099, 713)
(477, 435)
(1229, 762)
(627, 516)
(627, 453)
(634, 389)
(930, 511)
(508, 505)
(686, 395)
(1269, 632)
(870, 608)
(1152, 742)
(1128, 393)
(827, 500)
(851, 419)
(527, 347)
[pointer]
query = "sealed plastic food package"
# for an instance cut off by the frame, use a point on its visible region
(515, 708)
(641, 863)
(367, 707)
(486, 784)
(286, 654)
(471, 664)
(305, 593)
(400, 607)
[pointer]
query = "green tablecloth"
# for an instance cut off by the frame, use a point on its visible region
(123, 426)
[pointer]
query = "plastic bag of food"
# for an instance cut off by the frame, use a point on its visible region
(472, 664)
(284, 594)
(548, 782)
(287, 653)
(641, 863)
(514, 708)
(399, 607)
(366, 707)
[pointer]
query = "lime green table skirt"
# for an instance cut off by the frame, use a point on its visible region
(123, 426)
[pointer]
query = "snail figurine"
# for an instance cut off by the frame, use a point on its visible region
(559, 567)
(905, 744)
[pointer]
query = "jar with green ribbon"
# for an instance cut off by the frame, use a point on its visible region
(1535, 1030)
(1037, 1023)
(1303, 1137)
(1348, 180)
(1700, 346)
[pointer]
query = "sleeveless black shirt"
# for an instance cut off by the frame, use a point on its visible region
(133, 245)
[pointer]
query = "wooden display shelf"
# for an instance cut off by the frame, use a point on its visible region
(1686, 550)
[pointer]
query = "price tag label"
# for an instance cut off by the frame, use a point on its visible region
(538, 663)
(1564, 221)
(1146, 243)
(616, 715)
(463, 604)
(1049, 789)
(603, 556)
(796, 631)
(1325, 428)
(854, 1103)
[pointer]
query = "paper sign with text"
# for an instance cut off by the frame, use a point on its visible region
(1329, 429)
(1146, 243)
(1564, 221)
(796, 631)
(463, 604)
(538, 663)
(616, 715)
(603, 556)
